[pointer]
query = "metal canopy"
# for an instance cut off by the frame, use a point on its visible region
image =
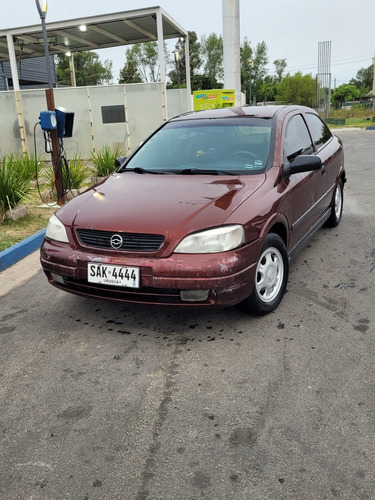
(104, 31)
(109, 30)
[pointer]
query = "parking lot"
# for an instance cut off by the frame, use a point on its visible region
(100, 400)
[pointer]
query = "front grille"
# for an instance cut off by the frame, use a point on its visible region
(143, 295)
(131, 242)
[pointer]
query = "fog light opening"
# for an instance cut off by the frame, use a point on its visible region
(57, 278)
(194, 295)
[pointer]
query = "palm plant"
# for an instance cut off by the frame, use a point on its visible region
(26, 166)
(78, 171)
(74, 172)
(104, 160)
(13, 186)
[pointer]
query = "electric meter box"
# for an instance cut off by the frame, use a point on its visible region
(48, 120)
(213, 99)
(65, 120)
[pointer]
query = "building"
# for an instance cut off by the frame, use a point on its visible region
(32, 73)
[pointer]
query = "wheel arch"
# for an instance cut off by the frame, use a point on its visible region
(279, 229)
(277, 225)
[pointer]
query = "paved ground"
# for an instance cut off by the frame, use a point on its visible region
(106, 401)
(20, 272)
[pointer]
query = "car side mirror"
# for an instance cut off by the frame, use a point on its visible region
(119, 161)
(303, 163)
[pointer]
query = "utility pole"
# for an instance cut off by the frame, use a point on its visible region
(231, 47)
(58, 178)
(373, 87)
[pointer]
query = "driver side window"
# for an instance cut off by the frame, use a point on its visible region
(297, 139)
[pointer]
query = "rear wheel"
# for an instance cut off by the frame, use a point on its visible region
(337, 206)
(271, 277)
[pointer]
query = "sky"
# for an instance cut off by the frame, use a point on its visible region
(292, 29)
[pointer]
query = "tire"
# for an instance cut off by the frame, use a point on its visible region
(337, 206)
(271, 277)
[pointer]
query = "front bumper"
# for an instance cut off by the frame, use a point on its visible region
(228, 277)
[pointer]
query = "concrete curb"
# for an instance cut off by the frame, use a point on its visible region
(17, 252)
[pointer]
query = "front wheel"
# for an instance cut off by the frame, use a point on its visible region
(271, 277)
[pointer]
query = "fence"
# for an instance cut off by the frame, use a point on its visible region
(120, 116)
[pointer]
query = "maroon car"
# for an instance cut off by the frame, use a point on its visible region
(209, 210)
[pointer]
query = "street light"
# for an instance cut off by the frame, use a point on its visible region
(55, 153)
(42, 9)
(251, 64)
(176, 54)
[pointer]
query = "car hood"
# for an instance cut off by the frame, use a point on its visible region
(159, 204)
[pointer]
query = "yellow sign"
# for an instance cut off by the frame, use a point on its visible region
(213, 99)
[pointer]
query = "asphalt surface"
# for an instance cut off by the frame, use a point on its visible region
(109, 401)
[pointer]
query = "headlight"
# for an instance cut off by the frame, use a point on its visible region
(220, 239)
(56, 230)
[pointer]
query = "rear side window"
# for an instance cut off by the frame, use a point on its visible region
(297, 138)
(319, 130)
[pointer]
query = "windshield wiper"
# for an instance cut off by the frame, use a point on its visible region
(141, 170)
(193, 171)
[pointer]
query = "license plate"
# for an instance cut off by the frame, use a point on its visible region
(104, 274)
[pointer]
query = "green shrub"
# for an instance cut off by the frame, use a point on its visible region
(104, 160)
(356, 111)
(79, 171)
(13, 186)
(25, 165)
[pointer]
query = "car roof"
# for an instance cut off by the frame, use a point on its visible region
(245, 111)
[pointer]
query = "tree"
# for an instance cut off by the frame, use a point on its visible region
(364, 79)
(88, 69)
(129, 73)
(108, 73)
(195, 62)
(268, 89)
(260, 63)
(142, 62)
(212, 51)
(246, 55)
(345, 93)
(259, 60)
(280, 66)
(297, 89)
(146, 59)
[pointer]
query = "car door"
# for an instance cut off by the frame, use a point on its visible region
(328, 149)
(299, 201)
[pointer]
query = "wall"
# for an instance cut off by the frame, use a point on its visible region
(136, 109)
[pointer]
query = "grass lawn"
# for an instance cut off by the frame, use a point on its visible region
(357, 122)
(12, 232)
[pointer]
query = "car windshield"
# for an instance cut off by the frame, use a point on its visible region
(221, 146)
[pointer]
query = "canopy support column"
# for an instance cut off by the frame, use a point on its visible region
(17, 93)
